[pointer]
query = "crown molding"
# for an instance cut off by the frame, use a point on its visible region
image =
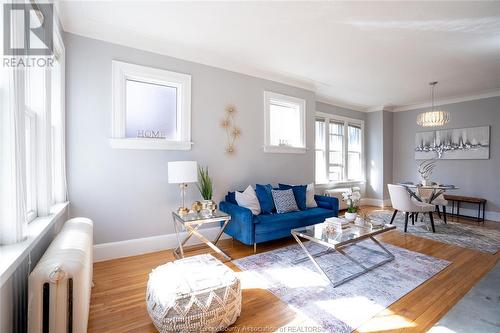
(330, 101)
(445, 101)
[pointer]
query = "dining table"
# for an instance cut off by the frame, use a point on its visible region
(436, 190)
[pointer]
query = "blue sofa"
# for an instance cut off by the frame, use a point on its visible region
(253, 229)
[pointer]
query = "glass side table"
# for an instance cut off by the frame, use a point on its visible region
(192, 222)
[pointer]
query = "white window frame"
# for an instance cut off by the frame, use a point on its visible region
(268, 148)
(123, 71)
(346, 121)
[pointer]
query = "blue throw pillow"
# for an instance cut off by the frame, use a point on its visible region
(265, 198)
(231, 197)
(299, 191)
(284, 200)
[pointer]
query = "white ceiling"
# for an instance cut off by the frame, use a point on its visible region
(358, 54)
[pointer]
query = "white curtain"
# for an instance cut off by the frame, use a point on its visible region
(12, 164)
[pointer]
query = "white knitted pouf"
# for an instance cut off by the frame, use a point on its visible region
(195, 294)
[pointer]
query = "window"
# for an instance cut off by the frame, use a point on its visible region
(151, 108)
(34, 107)
(339, 149)
(284, 124)
(30, 142)
(57, 120)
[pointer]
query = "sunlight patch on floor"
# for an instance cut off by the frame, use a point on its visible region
(251, 281)
(298, 277)
(349, 309)
(386, 321)
(300, 323)
(440, 329)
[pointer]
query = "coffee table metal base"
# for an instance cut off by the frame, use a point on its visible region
(364, 269)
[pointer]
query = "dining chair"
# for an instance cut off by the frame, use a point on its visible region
(402, 202)
(425, 194)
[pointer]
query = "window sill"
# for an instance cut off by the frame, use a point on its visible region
(341, 183)
(12, 255)
(284, 150)
(151, 144)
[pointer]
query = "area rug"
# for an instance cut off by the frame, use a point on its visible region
(348, 306)
(474, 237)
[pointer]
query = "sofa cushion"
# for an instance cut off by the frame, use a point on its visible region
(265, 198)
(299, 192)
(269, 223)
(284, 200)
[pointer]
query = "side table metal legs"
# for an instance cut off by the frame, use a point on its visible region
(193, 230)
(364, 269)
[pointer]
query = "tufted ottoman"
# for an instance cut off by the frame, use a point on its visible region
(194, 294)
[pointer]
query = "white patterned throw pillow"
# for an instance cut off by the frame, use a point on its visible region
(284, 200)
(248, 199)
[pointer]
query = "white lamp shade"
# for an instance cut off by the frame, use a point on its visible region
(182, 172)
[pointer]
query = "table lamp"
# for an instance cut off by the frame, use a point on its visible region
(182, 173)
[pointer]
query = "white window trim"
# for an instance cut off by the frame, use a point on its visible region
(268, 148)
(123, 71)
(346, 120)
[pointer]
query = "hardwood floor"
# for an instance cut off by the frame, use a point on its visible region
(118, 297)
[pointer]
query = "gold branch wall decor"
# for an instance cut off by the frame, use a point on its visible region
(232, 131)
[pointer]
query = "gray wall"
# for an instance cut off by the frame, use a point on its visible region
(374, 145)
(474, 177)
(379, 153)
(125, 192)
(14, 292)
(388, 154)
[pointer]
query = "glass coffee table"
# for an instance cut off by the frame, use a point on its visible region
(336, 241)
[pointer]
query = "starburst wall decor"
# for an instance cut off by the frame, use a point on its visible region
(232, 131)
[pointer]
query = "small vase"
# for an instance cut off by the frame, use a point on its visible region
(350, 216)
(207, 208)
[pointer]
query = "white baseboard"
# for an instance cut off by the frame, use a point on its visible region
(133, 247)
(376, 202)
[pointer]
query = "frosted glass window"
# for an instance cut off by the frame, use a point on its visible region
(151, 110)
(285, 125)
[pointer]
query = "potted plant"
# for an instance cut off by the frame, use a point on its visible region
(352, 197)
(205, 186)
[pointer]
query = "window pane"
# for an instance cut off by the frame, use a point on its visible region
(336, 128)
(30, 130)
(56, 118)
(354, 166)
(151, 110)
(354, 140)
(285, 124)
(35, 89)
(336, 158)
(320, 134)
(334, 173)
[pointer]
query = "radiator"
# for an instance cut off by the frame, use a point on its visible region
(59, 286)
